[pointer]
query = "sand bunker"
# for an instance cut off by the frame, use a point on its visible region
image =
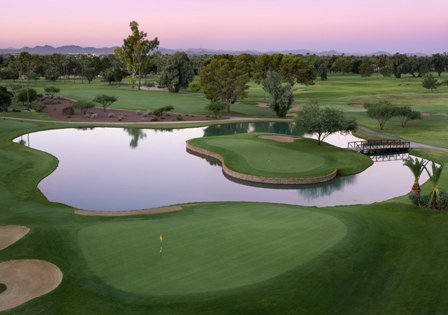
(127, 213)
(25, 280)
(262, 104)
(278, 138)
(9, 234)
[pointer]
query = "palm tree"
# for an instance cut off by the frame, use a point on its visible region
(434, 179)
(416, 166)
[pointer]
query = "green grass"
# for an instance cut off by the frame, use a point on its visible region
(392, 259)
(207, 248)
(303, 158)
(341, 91)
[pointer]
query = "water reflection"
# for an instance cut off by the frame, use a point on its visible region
(230, 129)
(136, 135)
(114, 178)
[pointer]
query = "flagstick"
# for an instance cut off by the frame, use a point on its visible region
(161, 244)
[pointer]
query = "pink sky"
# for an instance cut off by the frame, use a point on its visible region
(344, 25)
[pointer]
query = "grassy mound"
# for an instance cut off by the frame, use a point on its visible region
(303, 158)
(212, 247)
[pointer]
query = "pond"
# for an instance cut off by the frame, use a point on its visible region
(125, 169)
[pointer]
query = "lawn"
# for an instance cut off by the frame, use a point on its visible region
(303, 158)
(235, 258)
(347, 92)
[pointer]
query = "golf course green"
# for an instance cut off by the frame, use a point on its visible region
(237, 257)
(264, 155)
(207, 248)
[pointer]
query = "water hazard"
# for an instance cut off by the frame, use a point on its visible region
(126, 169)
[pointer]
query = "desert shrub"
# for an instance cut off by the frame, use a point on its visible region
(139, 112)
(179, 117)
(111, 115)
(146, 114)
(38, 107)
(162, 110)
(68, 111)
(94, 116)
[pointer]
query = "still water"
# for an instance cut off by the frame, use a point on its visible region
(126, 169)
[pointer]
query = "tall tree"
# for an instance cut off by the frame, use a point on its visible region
(430, 83)
(438, 61)
(224, 80)
(405, 114)
(366, 67)
(134, 52)
(178, 72)
(280, 95)
(323, 121)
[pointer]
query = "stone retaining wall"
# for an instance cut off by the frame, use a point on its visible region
(260, 179)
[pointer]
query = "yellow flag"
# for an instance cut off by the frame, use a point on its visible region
(161, 237)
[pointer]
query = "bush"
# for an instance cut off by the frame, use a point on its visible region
(443, 201)
(51, 91)
(26, 96)
(216, 108)
(94, 116)
(111, 115)
(162, 110)
(139, 112)
(195, 86)
(147, 114)
(179, 117)
(68, 111)
(38, 107)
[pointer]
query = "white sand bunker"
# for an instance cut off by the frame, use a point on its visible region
(25, 280)
(9, 234)
(278, 138)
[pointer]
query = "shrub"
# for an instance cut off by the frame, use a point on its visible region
(51, 91)
(162, 110)
(443, 201)
(94, 116)
(179, 117)
(83, 106)
(38, 107)
(216, 108)
(26, 96)
(111, 115)
(147, 114)
(195, 86)
(68, 111)
(139, 112)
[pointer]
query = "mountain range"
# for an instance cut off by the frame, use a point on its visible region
(76, 50)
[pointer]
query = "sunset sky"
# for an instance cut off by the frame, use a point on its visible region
(345, 25)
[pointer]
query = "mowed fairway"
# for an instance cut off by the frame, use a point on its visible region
(207, 247)
(303, 158)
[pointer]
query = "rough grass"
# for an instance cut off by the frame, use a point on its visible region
(303, 158)
(392, 260)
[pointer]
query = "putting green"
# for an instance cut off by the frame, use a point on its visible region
(207, 247)
(302, 158)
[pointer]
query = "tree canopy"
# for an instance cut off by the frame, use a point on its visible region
(105, 100)
(177, 73)
(224, 80)
(323, 122)
(134, 52)
(382, 111)
(280, 95)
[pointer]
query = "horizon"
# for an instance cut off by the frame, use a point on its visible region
(346, 26)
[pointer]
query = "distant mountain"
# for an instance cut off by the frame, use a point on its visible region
(66, 50)
(78, 50)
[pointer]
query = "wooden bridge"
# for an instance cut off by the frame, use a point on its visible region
(376, 147)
